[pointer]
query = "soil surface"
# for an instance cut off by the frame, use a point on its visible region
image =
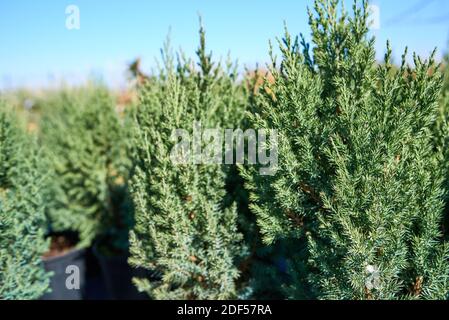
(60, 244)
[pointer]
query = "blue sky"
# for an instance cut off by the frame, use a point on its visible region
(37, 49)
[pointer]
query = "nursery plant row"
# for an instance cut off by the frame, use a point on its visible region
(322, 176)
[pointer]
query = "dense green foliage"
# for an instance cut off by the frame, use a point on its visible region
(359, 182)
(183, 227)
(357, 208)
(446, 73)
(22, 219)
(442, 136)
(84, 142)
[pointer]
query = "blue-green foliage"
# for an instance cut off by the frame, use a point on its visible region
(183, 228)
(22, 219)
(442, 136)
(359, 181)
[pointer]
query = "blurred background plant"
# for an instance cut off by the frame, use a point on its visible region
(22, 217)
(84, 144)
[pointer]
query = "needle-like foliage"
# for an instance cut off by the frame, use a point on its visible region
(358, 180)
(183, 227)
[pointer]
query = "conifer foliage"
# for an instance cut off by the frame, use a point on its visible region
(22, 220)
(358, 179)
(85, 149)
(183, 229)
(442, 136)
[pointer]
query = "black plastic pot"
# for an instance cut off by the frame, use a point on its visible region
(58, 265)
(117, 275)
